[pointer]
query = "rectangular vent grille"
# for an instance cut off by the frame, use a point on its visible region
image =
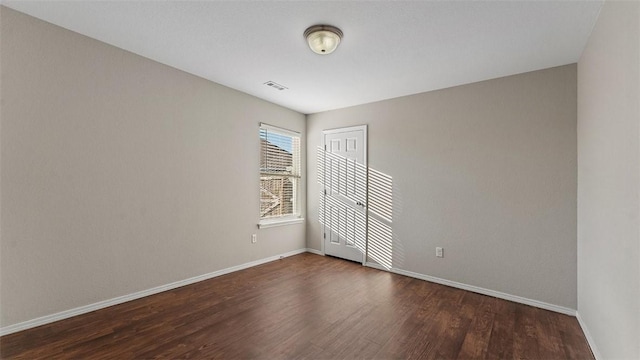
(276, 86)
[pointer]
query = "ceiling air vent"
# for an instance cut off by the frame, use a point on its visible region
(275, 85)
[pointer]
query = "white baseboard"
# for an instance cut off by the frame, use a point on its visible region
(140, 294)
(137, 295)
(479, 290)
(587, 334)
(314, 251)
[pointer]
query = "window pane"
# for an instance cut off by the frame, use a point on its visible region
(277, 196)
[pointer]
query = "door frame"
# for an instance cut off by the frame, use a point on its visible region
(363, 127)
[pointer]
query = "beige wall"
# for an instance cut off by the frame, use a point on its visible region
(609, 182)
(120, 174)
(486, 170)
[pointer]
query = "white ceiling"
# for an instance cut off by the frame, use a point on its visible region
(389, 49)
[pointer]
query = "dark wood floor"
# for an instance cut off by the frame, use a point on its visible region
(308, 307)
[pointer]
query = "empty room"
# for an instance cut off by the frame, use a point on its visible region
(320, 179)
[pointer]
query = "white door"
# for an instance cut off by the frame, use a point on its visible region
(345, 192)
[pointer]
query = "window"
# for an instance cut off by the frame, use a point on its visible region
(279, 175)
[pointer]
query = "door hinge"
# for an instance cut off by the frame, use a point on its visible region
(325, 147)
(324, 235)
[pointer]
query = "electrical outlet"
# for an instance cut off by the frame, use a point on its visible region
(439, 252)
(254, 238)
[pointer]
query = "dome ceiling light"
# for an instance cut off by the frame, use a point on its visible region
(323, 39)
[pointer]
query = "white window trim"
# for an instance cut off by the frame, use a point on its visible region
(267, 223)
(277, 129)
(291, 219)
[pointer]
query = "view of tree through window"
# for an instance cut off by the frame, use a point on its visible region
(279, 172)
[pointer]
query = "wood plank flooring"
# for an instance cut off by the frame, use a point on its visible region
(308, 307)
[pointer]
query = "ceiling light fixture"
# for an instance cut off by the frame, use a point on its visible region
(323, 39)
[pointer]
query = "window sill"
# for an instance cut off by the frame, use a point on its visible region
(279, 222)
